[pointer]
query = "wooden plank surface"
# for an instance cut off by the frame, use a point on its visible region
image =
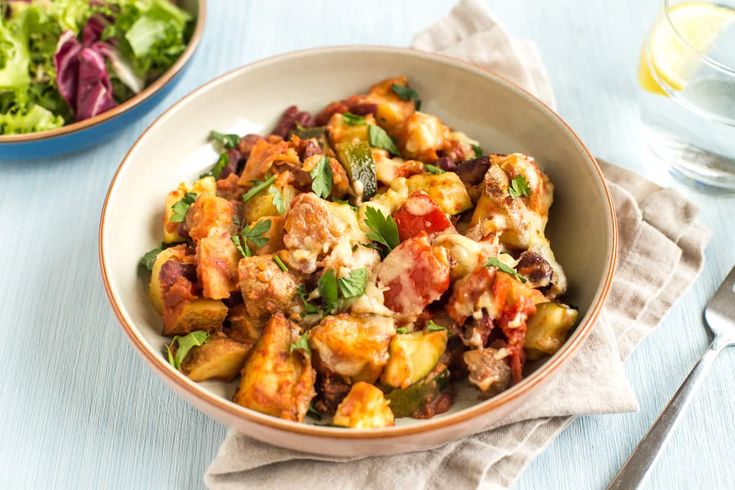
(78, 407)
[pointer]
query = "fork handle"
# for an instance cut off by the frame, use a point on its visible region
(634, 471)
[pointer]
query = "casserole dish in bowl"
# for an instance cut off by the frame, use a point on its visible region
(500, 116)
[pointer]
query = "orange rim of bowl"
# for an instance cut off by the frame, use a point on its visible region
(518, 391)
(132, 102)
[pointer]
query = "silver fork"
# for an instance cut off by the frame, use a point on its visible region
(719, 315)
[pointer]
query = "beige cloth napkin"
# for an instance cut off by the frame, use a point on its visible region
(660, 255)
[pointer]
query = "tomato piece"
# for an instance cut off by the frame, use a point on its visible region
(420, 214)
(414, 275)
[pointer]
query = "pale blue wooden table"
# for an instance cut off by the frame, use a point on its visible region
(79, 408)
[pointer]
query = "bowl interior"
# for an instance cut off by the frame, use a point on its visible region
(501, 117)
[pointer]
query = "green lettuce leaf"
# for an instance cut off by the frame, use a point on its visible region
(31, 121)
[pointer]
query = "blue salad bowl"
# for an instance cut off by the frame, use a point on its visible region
(98, 129)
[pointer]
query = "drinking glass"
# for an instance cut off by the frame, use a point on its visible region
(687, 71)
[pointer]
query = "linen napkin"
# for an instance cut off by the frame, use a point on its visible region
(660, 254)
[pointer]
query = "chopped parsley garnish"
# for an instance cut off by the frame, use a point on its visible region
(433, 169)
(149, 258)
(302, 344)
(353, 285)
(477, 150)
(353, 119)
(216, 171)
(179, 347)
(321, 178)
(254, 234)
(402, 330)
(280, 263)
(278, 201)
(406, 93)
(378, 138)
(328, 289)
(229, 141)
(257, 187)
(494, 262)
(519, 187)
(309, 309)
(433, 327)
(181, 207)
(383, 229)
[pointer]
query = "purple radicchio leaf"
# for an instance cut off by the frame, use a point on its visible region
(81, 73)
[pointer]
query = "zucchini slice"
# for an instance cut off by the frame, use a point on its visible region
(357, 159)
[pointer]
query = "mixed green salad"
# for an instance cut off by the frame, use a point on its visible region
(68, 60)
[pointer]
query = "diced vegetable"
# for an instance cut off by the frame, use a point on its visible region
(364, 407)
(155, 290)
(199, 314)
(341, 131)
(446, 190)
(205, 185)
(405, 402)
(217, 259)
(276, 380)
(265, 288)
(420, 214)
(357, 159)
(211, 216)
(263, 204)
(351, 346)
(413, 356)
(548, 329)
(219, 358)
(414, 274)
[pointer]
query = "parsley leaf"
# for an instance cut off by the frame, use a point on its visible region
(183, 346)
(433, 327)
(433, 169)
(149, 258)
(280, 263)
(257, 187)
(181, 207)
(216, 171)
(353, 119)
(353, 285)
(302, 344)
(402, 330)
(254, 234)
(309, 308)
(328, 290)
(494, 262)
(519, 187)
(321, 178)
(477, 150)
(382, 229)
(406, 93)
(229, 141)
(278, 201)
(378, 138)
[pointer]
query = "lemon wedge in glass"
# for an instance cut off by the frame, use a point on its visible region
(676, 45)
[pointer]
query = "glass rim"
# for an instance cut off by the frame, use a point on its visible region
(668, 5)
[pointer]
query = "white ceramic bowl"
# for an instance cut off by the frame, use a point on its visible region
(503, 117)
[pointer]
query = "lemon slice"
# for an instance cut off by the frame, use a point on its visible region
(671, 58)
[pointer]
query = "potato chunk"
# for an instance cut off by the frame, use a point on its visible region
(276, 381)
(365, 407)
(219, 358)
(266, 289)
(355, 347)
(198, 314)
(205, 185)
(217, 259)
(392, 111)
(447, 190)
(177, 253)
(548, 328)
(413, 356)
(210, 216)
